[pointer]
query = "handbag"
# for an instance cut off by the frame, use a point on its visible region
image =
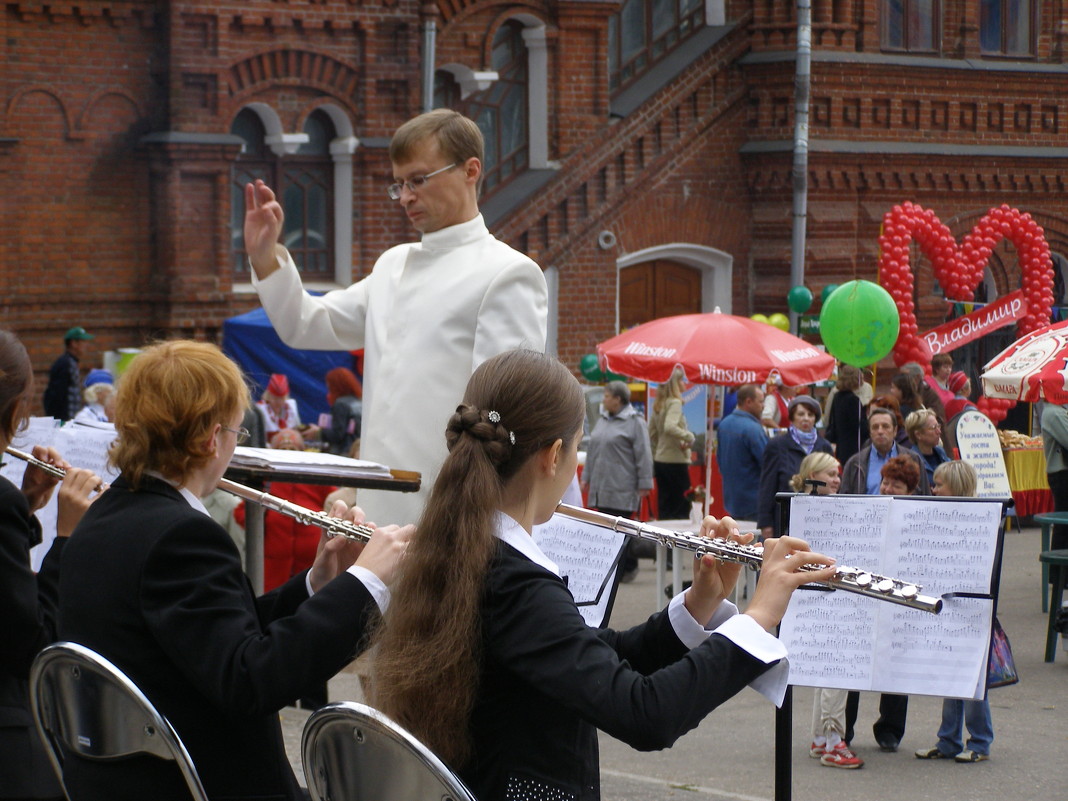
(1001, 667)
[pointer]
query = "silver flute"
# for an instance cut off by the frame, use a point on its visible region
(334, 526)
(850, 579)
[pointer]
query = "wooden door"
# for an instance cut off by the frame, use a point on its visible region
(657, 289)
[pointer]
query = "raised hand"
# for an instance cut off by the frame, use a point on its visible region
(263, 226)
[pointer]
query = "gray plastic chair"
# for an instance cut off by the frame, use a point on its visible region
(352, 752)
(85, 704)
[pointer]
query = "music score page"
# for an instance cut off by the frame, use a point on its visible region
(849, 641)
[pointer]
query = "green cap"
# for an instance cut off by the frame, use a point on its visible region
(77, 333)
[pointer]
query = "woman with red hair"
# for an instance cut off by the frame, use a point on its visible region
(344, 394)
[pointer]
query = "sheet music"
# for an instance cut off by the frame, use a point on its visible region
(81, 446)
(587, 555)
(308, 462)
(848, 641)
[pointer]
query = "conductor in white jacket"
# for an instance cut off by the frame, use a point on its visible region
(428, 314)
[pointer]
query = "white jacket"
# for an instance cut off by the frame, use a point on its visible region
(428, 314)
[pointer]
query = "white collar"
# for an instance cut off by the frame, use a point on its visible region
(185, 492)
(510, 532)
(455, 235)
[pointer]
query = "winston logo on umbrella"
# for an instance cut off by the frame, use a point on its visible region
(641, 349)
(796, 354)
(710, 373)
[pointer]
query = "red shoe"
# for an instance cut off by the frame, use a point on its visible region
(816, 751)
(841, 756)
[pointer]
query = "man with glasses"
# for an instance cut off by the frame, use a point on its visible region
(428, 314)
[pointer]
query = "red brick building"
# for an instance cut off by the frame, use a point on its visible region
(640, 151)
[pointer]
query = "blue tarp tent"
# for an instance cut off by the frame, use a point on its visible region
(250, 340)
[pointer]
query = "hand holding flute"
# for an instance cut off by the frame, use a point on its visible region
(79, 488)
(380, 553)
(714, 579)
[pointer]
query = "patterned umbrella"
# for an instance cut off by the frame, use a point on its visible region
(714, 348)
(1033, 368)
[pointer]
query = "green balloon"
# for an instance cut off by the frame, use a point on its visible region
(859, 323)
(827, 292)
(590, 368)
(799, 299)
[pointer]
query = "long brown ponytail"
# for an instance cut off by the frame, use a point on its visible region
(426, 667)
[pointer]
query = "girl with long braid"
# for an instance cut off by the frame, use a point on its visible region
(483, 654)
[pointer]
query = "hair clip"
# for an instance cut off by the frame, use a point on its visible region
(511, 437)
(494, 417)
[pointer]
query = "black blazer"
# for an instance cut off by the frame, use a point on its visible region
(28, 605)
(156, 587)
(782, 459)
(548, 682)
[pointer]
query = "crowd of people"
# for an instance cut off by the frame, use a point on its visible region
(485, 658)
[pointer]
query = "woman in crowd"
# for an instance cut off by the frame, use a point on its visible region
(28, 600)
(847, 422)
(487, 660)
(899, 476)
(155, 585)
(961, 387)
(671, 441)
(828, 706)
(344, 394)
(925, 434)
(958, 479)
(903, 388)
(619, 464)
(99, 403)
(783, 456)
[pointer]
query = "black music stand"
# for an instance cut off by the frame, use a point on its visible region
(784, 716)
(259, 477)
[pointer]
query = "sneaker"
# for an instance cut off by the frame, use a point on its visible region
(816, 751)
(841, 756)
(932, 753)
(967, 755)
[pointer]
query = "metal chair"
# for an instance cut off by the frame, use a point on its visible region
(352, 752)
(85, 705)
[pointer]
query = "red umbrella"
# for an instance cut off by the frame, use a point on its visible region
(1033, 368)
(714, 348)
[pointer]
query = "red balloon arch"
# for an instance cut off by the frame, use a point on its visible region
(959, 271)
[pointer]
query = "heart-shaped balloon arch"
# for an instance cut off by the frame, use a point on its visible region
(959, 271)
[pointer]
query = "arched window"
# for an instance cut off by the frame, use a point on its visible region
(255, 161)
(304, 183)
(502, 110)
(308, 199)
(644, 32)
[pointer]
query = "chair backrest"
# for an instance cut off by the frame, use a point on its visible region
(85, 705)
(352, 752)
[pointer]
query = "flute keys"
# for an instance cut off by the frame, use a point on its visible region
(884, 585)
(909, 591)
(863, 579)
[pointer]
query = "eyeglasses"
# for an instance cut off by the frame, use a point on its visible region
(414, 183)
(242, 434)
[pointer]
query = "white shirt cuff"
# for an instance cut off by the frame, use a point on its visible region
(744, 632)
(378, 589)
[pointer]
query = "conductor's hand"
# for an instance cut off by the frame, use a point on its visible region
(263, 225)
(76, 493)
(713, 580)
(37, 485)
(781, 574)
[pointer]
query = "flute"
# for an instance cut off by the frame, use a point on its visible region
(51, 469)
(850, 579)
(333, 526)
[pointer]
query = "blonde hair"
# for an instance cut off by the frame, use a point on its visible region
(917, 420)
(672, 388)
(960, 477)
(815, 462)
(170, 399)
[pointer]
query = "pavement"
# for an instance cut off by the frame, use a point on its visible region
(731, 755)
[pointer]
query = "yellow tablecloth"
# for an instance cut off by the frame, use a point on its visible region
(1026, 468)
